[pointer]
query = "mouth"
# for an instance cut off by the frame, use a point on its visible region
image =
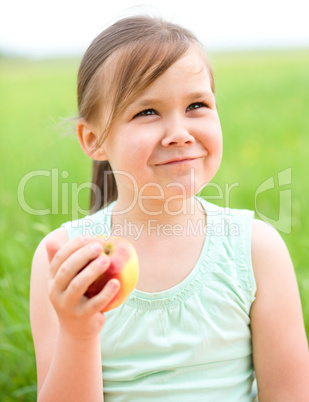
(176, 161)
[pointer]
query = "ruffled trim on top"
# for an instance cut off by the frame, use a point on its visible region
(191, 285)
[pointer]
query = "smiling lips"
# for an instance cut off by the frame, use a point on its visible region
(177, 160)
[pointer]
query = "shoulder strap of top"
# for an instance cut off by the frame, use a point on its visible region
(97, 224)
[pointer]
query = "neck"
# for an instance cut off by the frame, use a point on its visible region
(153, 215)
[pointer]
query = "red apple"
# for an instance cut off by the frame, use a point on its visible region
(123, 266)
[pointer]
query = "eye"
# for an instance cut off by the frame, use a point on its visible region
(196, 105)
(146, 112)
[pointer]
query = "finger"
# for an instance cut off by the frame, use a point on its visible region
(80, 283)
(101, 300)
(52, 246)
(65, 251)
(75, 263)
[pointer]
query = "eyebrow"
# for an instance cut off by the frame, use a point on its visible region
(201, 95)
(190, 96)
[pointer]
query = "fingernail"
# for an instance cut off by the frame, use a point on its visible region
(96, 247)
(85, 239)
(112, 285)
(102, 260)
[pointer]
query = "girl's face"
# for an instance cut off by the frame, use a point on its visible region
(169, 140)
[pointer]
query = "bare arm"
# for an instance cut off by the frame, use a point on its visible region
(280, 348)
(66, 325)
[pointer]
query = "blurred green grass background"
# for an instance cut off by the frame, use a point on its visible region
(263, 100)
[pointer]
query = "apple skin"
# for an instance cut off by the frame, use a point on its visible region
(123, 266)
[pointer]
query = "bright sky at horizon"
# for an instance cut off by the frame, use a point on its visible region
(36, 28)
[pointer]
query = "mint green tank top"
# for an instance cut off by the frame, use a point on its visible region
(190, 343)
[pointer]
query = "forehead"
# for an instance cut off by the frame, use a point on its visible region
(193, 61)
(188, 74)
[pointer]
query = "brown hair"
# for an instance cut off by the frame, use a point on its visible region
(119, 64)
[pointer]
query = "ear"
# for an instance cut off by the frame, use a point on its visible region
(88, 136)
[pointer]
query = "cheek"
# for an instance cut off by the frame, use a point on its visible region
(122, 149)
(215, 150)
(132, 155)
(140, 146)
(212, 139)
(217, 145)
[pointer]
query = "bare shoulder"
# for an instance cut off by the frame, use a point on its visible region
(59, 235)
(266, 242)
(40, 263)
(270, 255)
(44, 321)
(280, 349)
(39, 275)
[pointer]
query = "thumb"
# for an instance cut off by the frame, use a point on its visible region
(52, 246)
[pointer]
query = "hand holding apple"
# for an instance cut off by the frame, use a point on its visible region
(123, 266)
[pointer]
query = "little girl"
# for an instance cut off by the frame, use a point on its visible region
(216, 305)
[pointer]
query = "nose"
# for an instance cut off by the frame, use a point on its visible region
(177, 134)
